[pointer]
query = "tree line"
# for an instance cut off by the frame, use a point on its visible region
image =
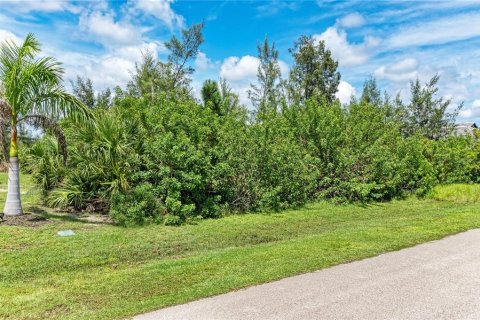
(152, 152)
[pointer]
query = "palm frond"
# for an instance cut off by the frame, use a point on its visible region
(55, 102)
(13, 59)
(30, 47)
(34, 86)
(13, 54)
(46, 123)
(66, 196)
(44, 72)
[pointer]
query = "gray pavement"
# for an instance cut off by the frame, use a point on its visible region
(435, 280)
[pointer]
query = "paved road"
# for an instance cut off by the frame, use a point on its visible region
(435, 280)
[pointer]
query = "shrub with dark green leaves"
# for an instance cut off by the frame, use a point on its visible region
(156, 154)
(169, 161)
(137, 206)
(360, 152)
(454, 159)
(179, 158)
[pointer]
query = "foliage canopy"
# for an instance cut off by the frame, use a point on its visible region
(157, 154)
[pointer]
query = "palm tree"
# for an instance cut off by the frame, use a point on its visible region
(32, 94)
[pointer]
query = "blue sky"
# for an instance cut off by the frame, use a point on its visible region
(395, 41)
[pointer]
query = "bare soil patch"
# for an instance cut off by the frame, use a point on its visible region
(27, 220)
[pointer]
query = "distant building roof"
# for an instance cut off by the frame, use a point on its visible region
(465, 128)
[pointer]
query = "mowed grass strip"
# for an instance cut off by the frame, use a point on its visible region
(108, 272)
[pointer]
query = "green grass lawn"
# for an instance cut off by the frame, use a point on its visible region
(462, 193)
(108, 272)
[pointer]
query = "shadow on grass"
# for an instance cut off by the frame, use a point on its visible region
(66, 216)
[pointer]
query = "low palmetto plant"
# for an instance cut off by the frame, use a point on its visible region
(31, 94)
(44, 161)
(98, 164)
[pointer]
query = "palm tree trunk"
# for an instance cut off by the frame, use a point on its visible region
(13, 205)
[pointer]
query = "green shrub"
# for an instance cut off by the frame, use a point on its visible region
(172, 220)
(366, 157)
(171, 160)
(179, 158)
(156, 154)
(454, 159)
(137, 206)
(264, 167)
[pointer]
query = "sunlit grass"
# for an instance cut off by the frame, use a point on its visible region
(461, 193)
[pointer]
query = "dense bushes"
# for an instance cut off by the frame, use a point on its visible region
(168, 161)
(454, 159)
(135, 206)
(155, 154)
(178, 158)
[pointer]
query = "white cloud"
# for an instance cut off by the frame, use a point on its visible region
(406, 64)
(246, 67)
(401, 71)
(202, 62)
(236, 69)
(242, 90)
(345, 92)
(241, 72)
(104, 29)
(453, 85)
(108, 70)
(283, 68)
(351, 20)
(39, 6)
(472, 112)
(440, 31)
(135, 52)
(346, 53)
(7, 35)
(160, 9)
